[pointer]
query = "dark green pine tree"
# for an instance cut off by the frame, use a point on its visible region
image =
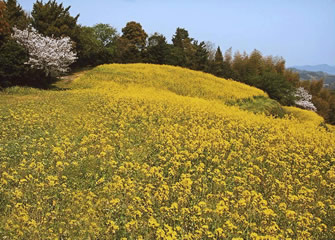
(158, 50)
(218, 63)
(52, 19)
(200, 58)
(15, 15)
(12, 67)
(183, 49)
(181, 38)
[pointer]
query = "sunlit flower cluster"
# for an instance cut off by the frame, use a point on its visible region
(141, 159)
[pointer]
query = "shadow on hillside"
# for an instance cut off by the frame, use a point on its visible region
(53, 88)
(37, 80)
(50, 86)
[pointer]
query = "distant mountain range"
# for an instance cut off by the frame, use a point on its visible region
(317, 68)
(329, 80)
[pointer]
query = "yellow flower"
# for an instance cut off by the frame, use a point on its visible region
(291, 214)
(153, 222)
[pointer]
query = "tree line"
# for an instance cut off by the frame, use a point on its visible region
(102, 44)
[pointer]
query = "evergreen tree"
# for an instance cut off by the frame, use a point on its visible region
(200, 58)
(131, 45)
(183, 50)
(218, 56)
(15, 15)
(12, 55)
(158, 50)
(4, 26)
(181, 38)
(53, 20)
(135, 34)
(218, 63)
(12, 63)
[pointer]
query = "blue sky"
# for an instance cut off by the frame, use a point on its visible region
(301, 31)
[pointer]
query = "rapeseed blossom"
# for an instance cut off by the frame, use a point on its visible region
(153, 152)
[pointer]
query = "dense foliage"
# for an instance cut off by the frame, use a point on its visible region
(12, 63)
(131, 45)
(4, 25)
(153, 152)
(15, 15)
(53, 20)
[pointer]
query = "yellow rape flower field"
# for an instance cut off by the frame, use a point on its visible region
(141, 151)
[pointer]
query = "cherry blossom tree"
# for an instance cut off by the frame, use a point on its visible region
(52, 55)
(304, 99)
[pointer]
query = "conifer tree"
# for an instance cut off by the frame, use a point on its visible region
(12, 63)
(200, 58)
(158, 49)
(131, 44)
(54, 20)
(4, 26)
(135, 34)
(183, 49)
(15, 15)
(218, 63)
(181, 38)
(218, 55)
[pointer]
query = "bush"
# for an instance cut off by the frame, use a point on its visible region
(277, 87)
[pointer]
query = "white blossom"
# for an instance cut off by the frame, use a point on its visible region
(51, 55)
(304, 99)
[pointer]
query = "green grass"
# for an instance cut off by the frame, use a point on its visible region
(259, 105)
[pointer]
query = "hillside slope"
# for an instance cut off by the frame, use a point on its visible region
(329, 80)
(317, 68)
(154, 152)
(177, 80)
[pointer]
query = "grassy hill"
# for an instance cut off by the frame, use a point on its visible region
(158, 152)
